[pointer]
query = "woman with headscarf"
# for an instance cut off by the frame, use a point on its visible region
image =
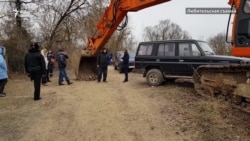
(45, 79)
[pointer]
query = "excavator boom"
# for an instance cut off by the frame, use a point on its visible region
(112, 17)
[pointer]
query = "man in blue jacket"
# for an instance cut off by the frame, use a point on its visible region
(62, 63)
(3, 72)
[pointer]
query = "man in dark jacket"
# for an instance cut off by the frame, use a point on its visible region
(102, 65)
(35, 67)
(125, 64)
(62, 63)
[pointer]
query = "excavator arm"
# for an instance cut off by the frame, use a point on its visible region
(112, 17)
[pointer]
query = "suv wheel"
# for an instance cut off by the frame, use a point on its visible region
(154, 77)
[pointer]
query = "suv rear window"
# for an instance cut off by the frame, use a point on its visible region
(145, 49)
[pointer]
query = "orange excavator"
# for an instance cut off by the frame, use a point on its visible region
(231, 81)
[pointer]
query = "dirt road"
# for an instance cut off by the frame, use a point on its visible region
(116, 111)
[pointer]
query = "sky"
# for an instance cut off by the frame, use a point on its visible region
(199, 26)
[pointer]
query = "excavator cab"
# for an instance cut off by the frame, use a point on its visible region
(241, 28)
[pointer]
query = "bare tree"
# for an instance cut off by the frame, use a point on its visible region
(58, 23)
(57, 16)
(121, 39)
(14, 35)
(150, 34)
(165, 30)
(219, 44)
(87, 20)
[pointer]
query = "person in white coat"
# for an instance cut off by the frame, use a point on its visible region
(45, 79)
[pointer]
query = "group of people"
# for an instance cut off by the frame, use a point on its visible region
(49, 60)
(103, 62)
(39, 66)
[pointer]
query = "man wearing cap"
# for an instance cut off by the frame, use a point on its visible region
(102, 65)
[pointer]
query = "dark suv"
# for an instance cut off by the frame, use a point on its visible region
(162, 60)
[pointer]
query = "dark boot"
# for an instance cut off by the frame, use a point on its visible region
(69, 82)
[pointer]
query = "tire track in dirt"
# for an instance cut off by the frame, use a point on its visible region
(101, 111)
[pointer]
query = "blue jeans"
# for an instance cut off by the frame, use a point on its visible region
(63, 74)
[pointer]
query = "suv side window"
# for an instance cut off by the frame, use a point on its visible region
(188, 49)
(145, 49)
(195, 50)
(167, 49)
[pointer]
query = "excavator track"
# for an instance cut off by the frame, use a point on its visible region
(230, 82)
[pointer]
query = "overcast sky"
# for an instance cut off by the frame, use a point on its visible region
(201, 26)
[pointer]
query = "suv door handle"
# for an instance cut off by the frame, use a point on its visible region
(181, 60)
(157, 60)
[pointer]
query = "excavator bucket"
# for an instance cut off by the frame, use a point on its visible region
(84, 65)
(87, 68)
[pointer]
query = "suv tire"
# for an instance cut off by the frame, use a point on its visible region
(154, 77)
